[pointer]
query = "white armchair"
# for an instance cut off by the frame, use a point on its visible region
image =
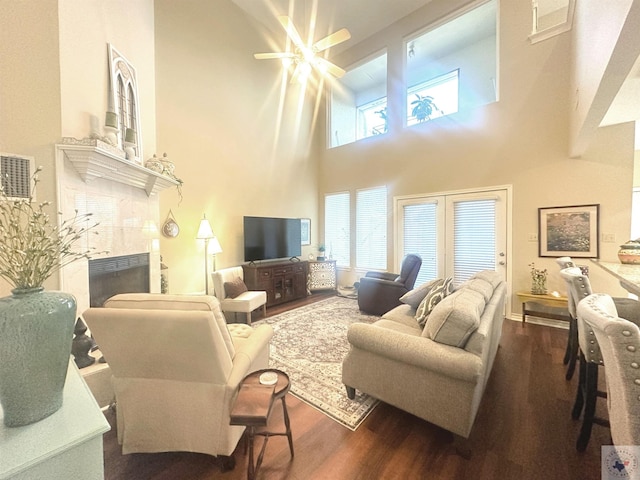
(176, 368)
(245, 302)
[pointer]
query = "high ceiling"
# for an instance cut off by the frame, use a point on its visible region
(361, 17)
(365, 17)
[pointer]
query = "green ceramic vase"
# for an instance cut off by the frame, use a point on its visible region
(36, 329)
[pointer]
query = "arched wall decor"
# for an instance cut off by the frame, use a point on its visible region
(123, 101)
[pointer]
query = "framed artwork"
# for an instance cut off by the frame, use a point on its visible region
(305, 224)
(572, 231)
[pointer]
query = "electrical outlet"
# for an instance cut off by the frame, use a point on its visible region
(532, 237)
(609, 237)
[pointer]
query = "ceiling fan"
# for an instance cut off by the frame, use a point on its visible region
(306, 57)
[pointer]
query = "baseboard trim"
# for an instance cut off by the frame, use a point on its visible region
(516, 317)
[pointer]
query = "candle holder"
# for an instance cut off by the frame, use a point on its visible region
(130, 151)
(111, 135)
(111, 128)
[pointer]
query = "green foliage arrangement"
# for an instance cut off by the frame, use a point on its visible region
(423, 107)
(538, 279)
(32, 247)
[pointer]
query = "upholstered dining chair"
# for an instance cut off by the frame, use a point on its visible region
(379, 292)
(176, 367)
(578, 288)
(619, 341)
(571, 351)
(231, 291)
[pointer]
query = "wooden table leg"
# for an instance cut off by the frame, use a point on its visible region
(251, 473)
(287, 425)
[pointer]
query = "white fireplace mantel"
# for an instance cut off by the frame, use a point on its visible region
(93, 158)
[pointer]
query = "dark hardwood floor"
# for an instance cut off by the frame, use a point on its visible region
(523, 431)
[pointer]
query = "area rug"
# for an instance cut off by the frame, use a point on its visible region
(309, 344)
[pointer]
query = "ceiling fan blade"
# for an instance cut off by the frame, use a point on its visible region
(326, 66)
(291, 31)
(267, 56)
(335, 38)
(296, 74)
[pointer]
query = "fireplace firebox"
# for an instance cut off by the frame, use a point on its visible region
(113, 275)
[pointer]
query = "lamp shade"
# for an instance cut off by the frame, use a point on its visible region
(214, 246)
(204, 231)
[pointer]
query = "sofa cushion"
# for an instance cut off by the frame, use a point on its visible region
(490, 276)
(404, 315)
(481, 286)
(414, 297)
(440, 289)
(455, 318)
(234, 288)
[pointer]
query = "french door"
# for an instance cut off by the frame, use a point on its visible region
(457, 234)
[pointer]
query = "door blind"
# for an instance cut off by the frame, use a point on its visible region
(337, 224)
(371, 228)
(474, 241)
(420, 236)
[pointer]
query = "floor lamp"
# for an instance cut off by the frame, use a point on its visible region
(205, 233)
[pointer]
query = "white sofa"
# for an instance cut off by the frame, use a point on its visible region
(438, 373)
(176, 367)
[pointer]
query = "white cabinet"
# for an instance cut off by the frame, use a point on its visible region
(323, 275)
(67, 445)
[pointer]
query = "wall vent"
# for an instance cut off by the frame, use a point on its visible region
(15, 174)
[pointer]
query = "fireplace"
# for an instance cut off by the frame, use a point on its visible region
(113, 275)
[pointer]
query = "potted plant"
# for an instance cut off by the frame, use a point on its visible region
(36, 326)
(423, 107)
(538, 280)
(321, 250)
(385, 127)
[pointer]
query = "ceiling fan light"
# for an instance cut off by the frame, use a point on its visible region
(307, 54)
(305, 69)
(287, 62)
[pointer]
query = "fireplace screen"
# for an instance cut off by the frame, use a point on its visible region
(113, 275)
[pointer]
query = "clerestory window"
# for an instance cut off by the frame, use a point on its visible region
(358, 102)
(450, 66)
(432, 99)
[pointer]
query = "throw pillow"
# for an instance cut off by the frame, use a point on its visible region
(415, 296)
(234, 288)
(440, 289)
(455, 318)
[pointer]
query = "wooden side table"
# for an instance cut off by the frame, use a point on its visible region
(253, 411)
(556, 306)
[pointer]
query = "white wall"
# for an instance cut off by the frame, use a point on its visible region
(240, 138)
(54, 76)
(606, 44)
(522, 140)
(86, 27)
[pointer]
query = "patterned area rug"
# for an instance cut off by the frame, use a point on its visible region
(309, 344)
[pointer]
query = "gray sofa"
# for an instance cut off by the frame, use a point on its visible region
(438, 373)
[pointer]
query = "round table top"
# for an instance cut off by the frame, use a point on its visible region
(282, 385)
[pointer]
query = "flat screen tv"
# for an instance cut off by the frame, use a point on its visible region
(267, 238)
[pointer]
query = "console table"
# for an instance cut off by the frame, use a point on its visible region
(283, 281)
(544, 306)
(322, 275)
